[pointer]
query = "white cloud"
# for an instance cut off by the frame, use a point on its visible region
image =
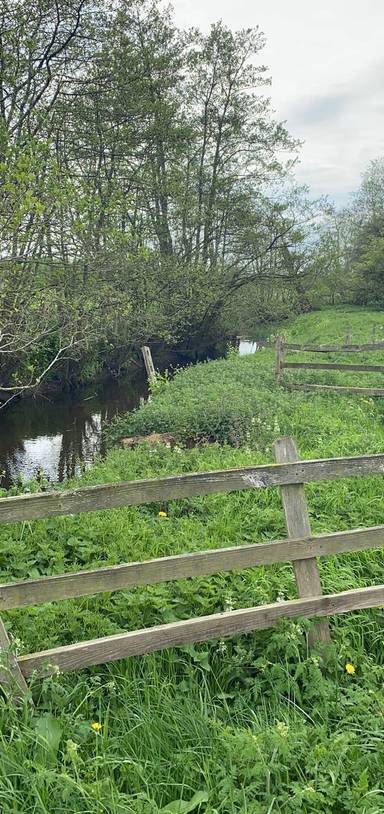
(327, 78)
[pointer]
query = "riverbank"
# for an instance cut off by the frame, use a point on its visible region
(58, 436)
(253, 724)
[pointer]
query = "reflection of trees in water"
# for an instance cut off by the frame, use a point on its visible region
(70, 427)
(84, 439)
(78, 445)
(10, 464)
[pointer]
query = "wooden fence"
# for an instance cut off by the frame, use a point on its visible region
(301, 548)
(281, 365)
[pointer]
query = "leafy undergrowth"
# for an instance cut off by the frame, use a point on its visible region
(250, 725)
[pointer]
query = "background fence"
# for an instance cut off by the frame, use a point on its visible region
(281, 365)
(301, 548)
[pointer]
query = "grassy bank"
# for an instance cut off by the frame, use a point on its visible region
(236, 401)
(251, 725)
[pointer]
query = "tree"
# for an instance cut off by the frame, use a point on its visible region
(139, 166)
(38, 45)
(368, 238)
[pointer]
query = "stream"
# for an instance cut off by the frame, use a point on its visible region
(59, 436)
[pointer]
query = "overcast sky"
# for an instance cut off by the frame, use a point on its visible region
(326, 61)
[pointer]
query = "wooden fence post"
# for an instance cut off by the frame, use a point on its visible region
(297, 522)
(148, 361)
(11, 676)
(279, 358)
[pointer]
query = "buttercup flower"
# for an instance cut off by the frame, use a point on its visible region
(96, 726)
(163, 514)
(350, 668)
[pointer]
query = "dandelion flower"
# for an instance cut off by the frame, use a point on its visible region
(350, 668)
(96, 726)
(163, 514)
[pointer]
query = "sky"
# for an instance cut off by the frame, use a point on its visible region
(326, 61)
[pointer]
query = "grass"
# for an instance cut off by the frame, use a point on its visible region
(250, 725)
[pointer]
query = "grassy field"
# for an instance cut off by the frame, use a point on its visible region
(251, 725)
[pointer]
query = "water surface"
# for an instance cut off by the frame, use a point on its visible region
(247, 346)
(59, 436)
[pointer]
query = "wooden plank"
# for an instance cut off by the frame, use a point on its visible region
(183, 566)
(333, 366)
(148, 362)
(298, 525)
(335, 348)
(331, 388)
(279, 358)
(134, 493)
(160, 637)
(11, 676)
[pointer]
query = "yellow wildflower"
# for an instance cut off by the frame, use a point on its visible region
(163, 514)
(96, 726)
(350, 668)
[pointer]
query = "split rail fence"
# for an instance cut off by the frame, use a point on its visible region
(281, 365)
(301, 548)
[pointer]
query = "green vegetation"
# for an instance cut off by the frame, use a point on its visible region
(249, 725)
(235, 401)
(147, 197)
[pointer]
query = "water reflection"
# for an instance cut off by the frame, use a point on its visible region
(63, 435)
(246, 346)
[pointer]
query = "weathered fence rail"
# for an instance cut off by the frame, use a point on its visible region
(200, 629)
(350, 348)
(281, 365)
(301, 548)
(184, 566)
(155, 490)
